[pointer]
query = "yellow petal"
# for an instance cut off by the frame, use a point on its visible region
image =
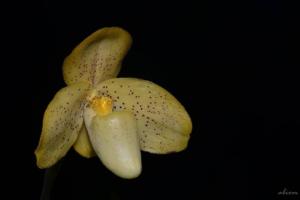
(164, 125)
(98, 57)
(83, 145)
(61, 124)
(115, 140)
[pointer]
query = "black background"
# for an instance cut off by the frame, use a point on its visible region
(233, 65)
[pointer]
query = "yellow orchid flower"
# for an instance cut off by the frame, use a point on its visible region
(113, 118)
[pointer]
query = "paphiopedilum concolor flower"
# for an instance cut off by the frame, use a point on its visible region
(113, 118)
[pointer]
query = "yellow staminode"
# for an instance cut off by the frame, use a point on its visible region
(102, 105)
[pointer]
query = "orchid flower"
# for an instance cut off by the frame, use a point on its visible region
(113, 118)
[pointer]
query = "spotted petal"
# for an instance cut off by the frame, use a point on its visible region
(98, 57)
(163, 124)
(62, 122)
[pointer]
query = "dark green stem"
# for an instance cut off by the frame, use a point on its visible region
(49, 179)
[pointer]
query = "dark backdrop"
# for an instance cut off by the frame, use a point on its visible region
(231, 64)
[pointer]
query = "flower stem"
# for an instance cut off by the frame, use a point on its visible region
(49, 179)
